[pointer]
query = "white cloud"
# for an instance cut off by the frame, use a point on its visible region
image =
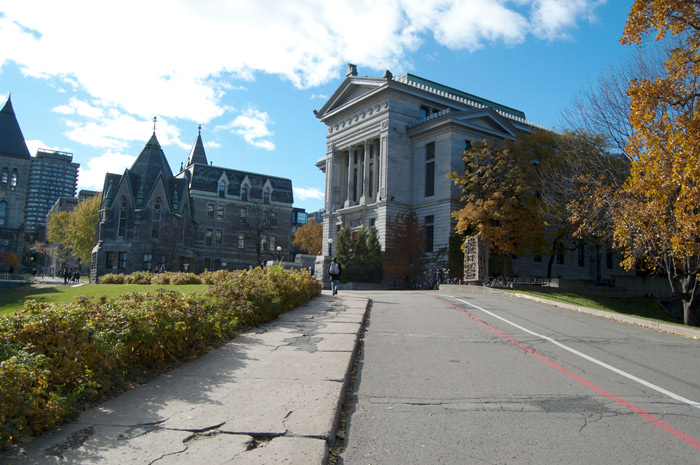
(552, 19)
(305, 193)
(252, 126)
(181, 58)
(138, 55)
(93, 176)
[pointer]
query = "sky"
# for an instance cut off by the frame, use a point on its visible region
(88, 77)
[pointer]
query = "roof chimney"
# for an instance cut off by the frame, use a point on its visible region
(352, 70)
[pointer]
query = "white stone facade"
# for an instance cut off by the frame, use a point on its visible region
(390, 144)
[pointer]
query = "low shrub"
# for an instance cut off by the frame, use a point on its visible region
(111, 278)
(56, 359)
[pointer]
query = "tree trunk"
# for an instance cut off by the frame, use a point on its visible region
(686, 288)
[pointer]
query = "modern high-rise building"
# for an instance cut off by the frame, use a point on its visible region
(52, 174)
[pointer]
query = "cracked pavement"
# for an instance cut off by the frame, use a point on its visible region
(272, 395)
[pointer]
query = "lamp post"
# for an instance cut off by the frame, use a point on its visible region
(279, 252)
(330, 247)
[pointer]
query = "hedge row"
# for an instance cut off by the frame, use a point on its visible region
(146, 277)
(57, 359)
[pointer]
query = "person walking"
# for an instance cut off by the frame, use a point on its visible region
(334, 269)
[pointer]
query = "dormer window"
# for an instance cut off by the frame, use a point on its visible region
(222, 189)
(121, 228)
(266, 195)
(244, 193)
(155, 220)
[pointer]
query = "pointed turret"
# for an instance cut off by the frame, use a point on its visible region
(11, 137)
(151, 162)
(197, 154)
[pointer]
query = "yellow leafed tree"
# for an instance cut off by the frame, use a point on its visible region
(658, 222)
(309, 238)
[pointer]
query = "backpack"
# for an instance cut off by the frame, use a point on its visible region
(334, 269)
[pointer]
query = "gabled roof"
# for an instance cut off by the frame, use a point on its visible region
(11, 138)
(197, 154)
(485, 120)
(352, 88)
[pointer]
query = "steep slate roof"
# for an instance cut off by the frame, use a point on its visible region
(205, 178)
(11, 137)
(197, 154)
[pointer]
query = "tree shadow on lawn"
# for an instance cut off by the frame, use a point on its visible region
(13, 300)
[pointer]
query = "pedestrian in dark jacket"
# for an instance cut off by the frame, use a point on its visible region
(334, 270)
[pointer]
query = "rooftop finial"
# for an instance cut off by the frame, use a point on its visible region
(199, 128)
(155, 120)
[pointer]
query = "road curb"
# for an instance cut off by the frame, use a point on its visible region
(689, 332)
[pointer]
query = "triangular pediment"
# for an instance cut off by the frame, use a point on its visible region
(351, 90)
(483, 120)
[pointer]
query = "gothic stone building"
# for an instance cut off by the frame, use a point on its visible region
(14, 172)
(204, 217)
(391, 142)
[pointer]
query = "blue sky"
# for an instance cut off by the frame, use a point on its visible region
(88, 77)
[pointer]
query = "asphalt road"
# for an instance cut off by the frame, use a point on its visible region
(484, 379)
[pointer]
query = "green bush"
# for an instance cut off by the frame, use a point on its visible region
(56, 359)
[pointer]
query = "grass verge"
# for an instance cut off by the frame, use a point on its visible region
(13, 300)
(641, 307)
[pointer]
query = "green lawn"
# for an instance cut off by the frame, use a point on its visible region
(13, 300)
(633, 306)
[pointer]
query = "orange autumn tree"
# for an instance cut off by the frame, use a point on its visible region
(658, 220)
(309, 238)
(500, 199)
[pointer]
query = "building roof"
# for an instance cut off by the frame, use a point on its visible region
(197, 154)
(11, 137)
(205, 178)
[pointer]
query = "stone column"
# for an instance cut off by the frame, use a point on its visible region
(348, 198)
(383, 166)
(366, 189)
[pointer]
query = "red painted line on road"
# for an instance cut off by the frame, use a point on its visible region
(634, 408)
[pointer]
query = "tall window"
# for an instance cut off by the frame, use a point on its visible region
(122, 260)
(241, 240)
(147, 261)
(243, 213)
(354, 184)
(244, 193)
(429, 232)
(121, 229)
(266, 195)
(13, 179)
(220, 212)
(219, 237)
(155, 220)
(208, 237)
(273, 219)
(609, 258)
(210, 211)
(371, 178)
(110, 260)
(263, 243)
(3, 213)
(222, 189)
(5, 175)
(581, 255)
(430, 169)
(273, 243)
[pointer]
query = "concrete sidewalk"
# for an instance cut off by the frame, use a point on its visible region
(272, 395)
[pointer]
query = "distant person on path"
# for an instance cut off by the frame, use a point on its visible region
(334, 269)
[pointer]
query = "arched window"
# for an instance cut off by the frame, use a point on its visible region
(5, 175)
(155, 220)
(222, 189)
(121, 230)
(244, 193)
(3, 213)
(266, 195)
(13, 179)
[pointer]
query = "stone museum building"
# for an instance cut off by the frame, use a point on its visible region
(204, 217)
(391, 142)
